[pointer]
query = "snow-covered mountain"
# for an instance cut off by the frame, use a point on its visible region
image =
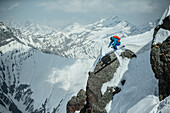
(30, 27)
(76, 41)
(33, 81)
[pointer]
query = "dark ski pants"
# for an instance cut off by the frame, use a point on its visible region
(115, 46)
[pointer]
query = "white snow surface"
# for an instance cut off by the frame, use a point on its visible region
(146, 105)
(54, 75)
(155, 106)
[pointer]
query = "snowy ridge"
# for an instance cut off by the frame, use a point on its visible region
(31, 28)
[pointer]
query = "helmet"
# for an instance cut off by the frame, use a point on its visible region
(110, 38)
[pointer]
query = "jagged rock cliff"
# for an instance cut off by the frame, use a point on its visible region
(76, 102)
(103, 72)
(160, 60)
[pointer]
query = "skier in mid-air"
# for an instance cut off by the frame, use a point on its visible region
(114, 42)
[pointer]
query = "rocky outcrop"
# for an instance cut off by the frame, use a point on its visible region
(160, 61)
(77, 102)
(103, 72)
(6, 35)
(128, 54)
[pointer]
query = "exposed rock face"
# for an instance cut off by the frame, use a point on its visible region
(103, 72)
(95, 101)
(160, 60)
(128, 54)
(77, 102)
(5, 35)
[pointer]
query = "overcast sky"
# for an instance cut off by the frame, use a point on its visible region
(63, 12)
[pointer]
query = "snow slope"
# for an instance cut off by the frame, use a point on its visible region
(59, 76)
(49, 79)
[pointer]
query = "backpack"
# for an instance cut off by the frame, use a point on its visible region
(117, 38)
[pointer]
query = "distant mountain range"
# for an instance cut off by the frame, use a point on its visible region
(76, 41)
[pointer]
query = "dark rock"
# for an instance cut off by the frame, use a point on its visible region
(77, 102)
(128, 54)
(123, 82)
(20, 91)
(103, 72)
(106, 59)
(160, 61)
(12, 89)
(4, 88)
(108, 95)
(8, 103)
(14, 108)
(2, 103)
(1, 53)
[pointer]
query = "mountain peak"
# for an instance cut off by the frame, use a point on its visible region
(113, 18)
(108, 22)
(28, 23)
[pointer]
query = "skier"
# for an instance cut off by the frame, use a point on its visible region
(115, 41)
(165, 25)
